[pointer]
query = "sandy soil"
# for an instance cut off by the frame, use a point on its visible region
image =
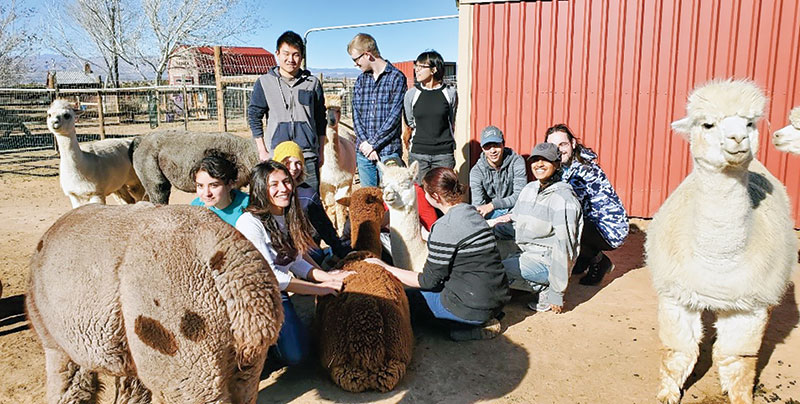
(604, 349)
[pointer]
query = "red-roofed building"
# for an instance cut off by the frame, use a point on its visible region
(195, 65)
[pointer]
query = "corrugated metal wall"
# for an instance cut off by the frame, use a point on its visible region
(619, 71)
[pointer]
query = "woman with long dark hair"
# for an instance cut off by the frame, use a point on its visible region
(605, 224)
(274, 222)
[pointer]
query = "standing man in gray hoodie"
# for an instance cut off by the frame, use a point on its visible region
(498, 177)
(294, 104)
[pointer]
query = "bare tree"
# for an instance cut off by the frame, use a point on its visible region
(175, 22)
(16, 43)
(108, 25)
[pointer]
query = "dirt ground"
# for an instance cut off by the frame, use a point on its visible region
(604, 349)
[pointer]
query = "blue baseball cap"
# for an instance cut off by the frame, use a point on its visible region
(491, 134)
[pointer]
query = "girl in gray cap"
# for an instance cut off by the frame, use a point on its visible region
(546, 224)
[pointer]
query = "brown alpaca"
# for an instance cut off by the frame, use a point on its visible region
(365, 337)
(172, 300)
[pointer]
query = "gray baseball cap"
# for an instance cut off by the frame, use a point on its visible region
(547, 150)
(491, 134)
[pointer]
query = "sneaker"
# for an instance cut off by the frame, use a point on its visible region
(488, 330)
(597, 271)
(540, 307)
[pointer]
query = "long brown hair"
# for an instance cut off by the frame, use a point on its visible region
(579, 147)
(298, 237)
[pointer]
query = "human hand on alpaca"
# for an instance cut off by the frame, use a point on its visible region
(339, 275)
(331, 287)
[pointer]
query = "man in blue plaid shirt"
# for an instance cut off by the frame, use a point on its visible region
(377, 108)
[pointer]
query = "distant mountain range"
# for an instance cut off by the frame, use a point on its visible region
(39, 66)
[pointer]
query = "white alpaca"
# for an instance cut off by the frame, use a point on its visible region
(722, 241)
(338, 167)
(788, 139)
(409, 250)
(103, 168)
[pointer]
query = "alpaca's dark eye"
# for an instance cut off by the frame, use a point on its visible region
(750, 124)
(708, 125)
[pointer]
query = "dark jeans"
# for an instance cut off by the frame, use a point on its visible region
(592, 242)
(293, 342)
(428, 162)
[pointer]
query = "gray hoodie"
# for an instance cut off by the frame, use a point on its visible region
(295, 110)
(501, 187)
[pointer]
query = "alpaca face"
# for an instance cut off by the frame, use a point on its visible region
(398, 186)
(61, 118)
(731, 141)
(788, 139)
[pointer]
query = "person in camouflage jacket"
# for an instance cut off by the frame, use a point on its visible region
(605, 219)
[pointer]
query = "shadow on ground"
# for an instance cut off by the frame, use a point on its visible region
(441, 371)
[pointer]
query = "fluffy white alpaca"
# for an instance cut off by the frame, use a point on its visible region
(722, 241)
(788, 139)
(101, 169)
(338, 167)
(409, 250)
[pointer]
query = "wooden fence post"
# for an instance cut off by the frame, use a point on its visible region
(100, 115)
(221, 123)
(185, 107)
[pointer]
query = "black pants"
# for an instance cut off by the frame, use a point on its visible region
(311, 168)
(592, 242)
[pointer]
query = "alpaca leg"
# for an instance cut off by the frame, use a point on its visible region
(123, 195)
(68, 383)
(739, 337)
(132, 391)
(680, 330)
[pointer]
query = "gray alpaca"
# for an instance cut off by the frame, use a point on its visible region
(165, 159)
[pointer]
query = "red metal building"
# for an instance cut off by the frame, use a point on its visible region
(195, 65)
(618, 73)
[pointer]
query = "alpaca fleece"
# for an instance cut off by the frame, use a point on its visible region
(365, 337)
(723, 241)
(169, 298)
(165, 159)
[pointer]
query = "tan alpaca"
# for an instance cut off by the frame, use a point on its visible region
(722, 241)
(100, 169)
(409, 250)
(338, 168)
(171, 299)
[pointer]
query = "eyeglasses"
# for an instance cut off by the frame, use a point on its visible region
(355, 59)
(421, 66)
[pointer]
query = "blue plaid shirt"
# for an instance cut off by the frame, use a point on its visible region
(377, 107)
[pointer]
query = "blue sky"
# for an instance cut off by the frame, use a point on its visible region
(327, 49)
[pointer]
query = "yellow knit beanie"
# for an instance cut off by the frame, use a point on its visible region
(287, 149)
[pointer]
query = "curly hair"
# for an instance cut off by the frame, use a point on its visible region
(218, 164)
(297, 239)
(579, 147)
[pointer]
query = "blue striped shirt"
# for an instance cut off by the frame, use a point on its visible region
(377, 108)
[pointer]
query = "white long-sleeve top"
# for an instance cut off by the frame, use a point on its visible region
(252, 228)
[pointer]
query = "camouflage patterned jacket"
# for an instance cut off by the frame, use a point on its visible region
(597, 197)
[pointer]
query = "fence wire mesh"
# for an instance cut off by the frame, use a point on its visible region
(117, 112)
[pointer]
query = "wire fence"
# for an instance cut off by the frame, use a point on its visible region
(121, 112)
(117, 112)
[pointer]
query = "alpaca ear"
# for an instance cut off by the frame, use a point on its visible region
(414, 168)
(344, 201)
(682, 126)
